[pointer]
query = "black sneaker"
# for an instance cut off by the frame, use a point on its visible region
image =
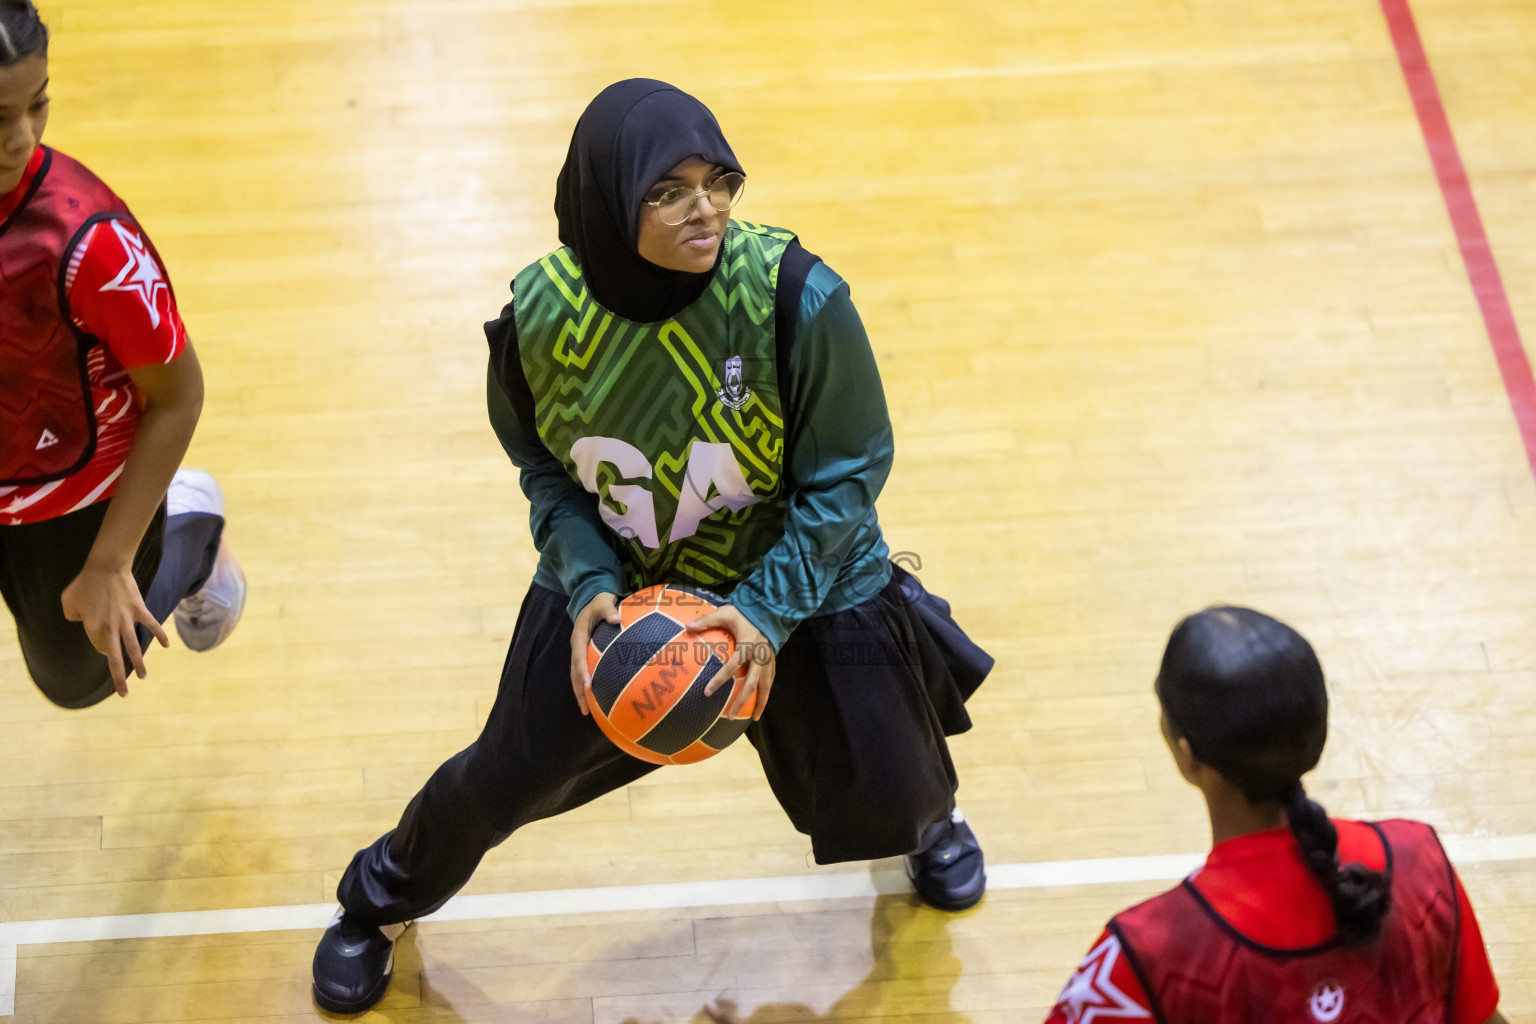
(353, 963)
(949, 874)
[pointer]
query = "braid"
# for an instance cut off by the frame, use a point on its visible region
(1360, 897)
(22, 33)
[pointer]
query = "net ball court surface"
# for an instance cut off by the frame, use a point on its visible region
(1171, 309)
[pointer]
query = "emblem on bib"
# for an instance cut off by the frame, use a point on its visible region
(1327, 1003)
(734, 393)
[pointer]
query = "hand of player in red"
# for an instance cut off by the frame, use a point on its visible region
(754, 655)
(603, 606)
(108, 604)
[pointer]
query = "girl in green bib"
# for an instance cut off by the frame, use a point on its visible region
(690, 400)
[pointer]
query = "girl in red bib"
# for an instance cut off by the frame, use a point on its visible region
(101, 539)
(1295, 916)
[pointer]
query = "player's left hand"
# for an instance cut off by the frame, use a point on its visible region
(108, 604)
(754, 656)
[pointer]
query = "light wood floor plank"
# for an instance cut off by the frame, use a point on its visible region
(1168, 312)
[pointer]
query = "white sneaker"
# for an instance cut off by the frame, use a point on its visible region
(193, 490)
(205, 620)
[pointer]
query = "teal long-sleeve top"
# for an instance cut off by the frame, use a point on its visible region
(839, 448)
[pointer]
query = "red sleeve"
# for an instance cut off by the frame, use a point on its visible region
(1477, 994)
(1103, 988)
(118, 291)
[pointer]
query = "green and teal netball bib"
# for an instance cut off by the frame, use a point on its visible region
(678, 426)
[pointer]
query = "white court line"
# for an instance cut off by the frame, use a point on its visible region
(7, 979)
(730, 892)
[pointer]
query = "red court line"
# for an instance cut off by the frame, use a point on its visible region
(1487, 285)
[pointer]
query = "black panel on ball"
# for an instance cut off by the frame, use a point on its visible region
(603, 635)
(691, 716)
(725, 732)
(693, 591)
(628, 653)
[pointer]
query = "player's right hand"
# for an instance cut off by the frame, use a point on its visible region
(106, 601)
(603, 606)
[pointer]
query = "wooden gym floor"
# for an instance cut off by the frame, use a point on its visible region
(1169, 311)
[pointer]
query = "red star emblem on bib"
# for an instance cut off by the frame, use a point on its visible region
(1092, 995)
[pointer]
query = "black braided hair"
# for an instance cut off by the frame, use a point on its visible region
(1247, 692)
(22, 32)
(1360, 897)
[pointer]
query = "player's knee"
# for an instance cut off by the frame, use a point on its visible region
(71, 680)
(471, 785)
(75, 692)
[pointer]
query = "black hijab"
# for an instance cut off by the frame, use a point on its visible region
(631, 135)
